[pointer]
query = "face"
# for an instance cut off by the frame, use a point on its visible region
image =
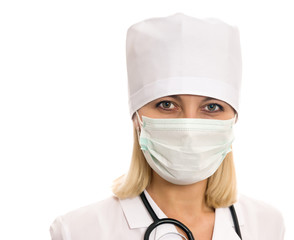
(187, 106)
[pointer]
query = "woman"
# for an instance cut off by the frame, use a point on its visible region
(184, 80)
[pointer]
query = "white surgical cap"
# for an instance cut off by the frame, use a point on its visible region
(180, 54)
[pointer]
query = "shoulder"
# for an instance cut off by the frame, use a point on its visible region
(103, 209)
(261, 218)
(259, 208)
(93, 209)
(86, 221)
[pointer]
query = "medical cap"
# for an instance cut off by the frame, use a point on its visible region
(179, 54)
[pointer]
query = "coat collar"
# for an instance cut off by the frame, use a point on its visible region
(135, 212)
(137, 216)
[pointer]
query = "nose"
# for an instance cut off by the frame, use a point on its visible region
(190, 105)
(190, 113)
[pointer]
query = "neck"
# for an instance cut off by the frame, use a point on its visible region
(179, 200)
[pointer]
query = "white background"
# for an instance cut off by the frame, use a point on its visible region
(65, 130)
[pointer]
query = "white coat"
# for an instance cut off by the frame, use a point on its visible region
(114, 219)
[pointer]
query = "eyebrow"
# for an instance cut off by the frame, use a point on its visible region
(208, 99)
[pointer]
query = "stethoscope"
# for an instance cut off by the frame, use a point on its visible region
(157, 221)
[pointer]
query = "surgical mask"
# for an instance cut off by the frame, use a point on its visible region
(185, 150)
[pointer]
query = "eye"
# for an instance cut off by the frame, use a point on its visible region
(166, 105)
(213, 107)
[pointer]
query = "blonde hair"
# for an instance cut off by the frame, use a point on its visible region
(221, 186)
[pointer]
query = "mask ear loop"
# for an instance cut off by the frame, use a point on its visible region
(139, 124)
(236, 117)
(139, 119)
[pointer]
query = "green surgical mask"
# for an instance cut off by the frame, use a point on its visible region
(185, 150)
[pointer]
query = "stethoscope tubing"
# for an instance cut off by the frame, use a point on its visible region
(157, 222)
(168, 221)
(235, 220)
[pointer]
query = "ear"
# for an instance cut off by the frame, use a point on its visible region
(136, 123)
(237, 115)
